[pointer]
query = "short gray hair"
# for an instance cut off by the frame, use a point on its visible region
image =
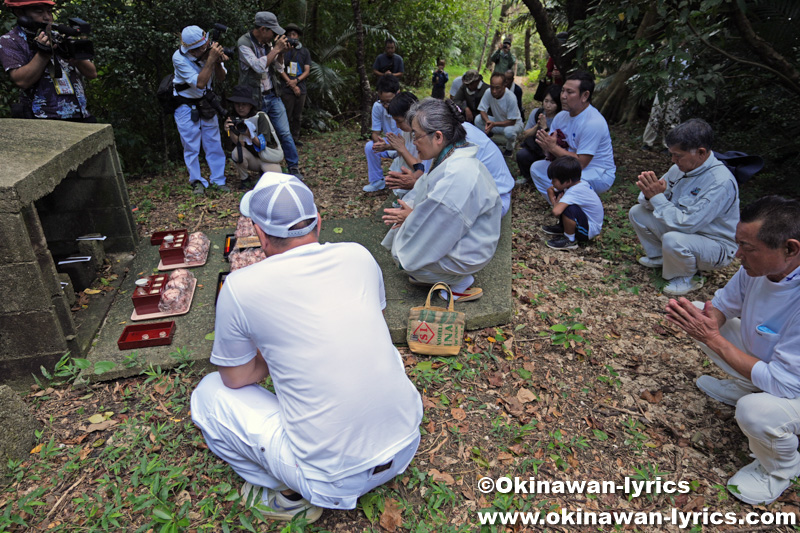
(693, 134)
(433, 115)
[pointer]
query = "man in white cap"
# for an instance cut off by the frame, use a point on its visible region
(197, 64)
(260, 55)
(344, 417)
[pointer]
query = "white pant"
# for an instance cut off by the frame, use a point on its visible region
(243, 428)
(194, 135)
(251, 162)
(771, 424)
(600, 179)
(684, 253)
(509, 133)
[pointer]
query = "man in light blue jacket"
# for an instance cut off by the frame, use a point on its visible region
(687, 219)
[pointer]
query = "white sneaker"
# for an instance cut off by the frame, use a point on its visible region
(683, 285)
(375, 186)
(282, 508)
(727, 391)
(651, 262)
(754, 485)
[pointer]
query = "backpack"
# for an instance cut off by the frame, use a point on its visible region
(164, 94)
(166, 99)
(742, 166)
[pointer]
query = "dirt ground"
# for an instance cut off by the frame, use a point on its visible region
(613, 396)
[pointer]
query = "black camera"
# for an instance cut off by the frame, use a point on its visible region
(216, 34)
(292, 42)
(239, 127)
(67, 42)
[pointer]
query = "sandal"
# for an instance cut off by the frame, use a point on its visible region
(473, 293)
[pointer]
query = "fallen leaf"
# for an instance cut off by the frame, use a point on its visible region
(210, 336)
(652, 397)
(505, 457)
(96, 419)
(37, 449)
(339, 230)
(458, 413)
(525, 396)
(441, 477)
(92, 291)
(102, 426)
(390, 518)
(496, 379)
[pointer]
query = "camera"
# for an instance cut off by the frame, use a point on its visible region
(293, 42)
(68, 42)
(239, 127)
(216, 34)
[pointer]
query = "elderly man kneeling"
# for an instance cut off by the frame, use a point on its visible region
(751, 330)
(447, 228)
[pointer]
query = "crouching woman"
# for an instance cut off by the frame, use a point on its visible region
(447, 228)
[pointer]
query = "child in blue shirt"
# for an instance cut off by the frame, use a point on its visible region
(440, 78)
(574, 202)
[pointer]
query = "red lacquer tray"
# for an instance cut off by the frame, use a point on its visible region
(145, 335)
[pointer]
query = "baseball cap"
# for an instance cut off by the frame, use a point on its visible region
(278, 202)
(507, 41)
(265, 19)
(192, 37)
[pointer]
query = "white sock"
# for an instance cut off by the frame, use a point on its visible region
(570, 237)
(461, 286)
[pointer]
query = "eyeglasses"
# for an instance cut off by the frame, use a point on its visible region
(415, 137)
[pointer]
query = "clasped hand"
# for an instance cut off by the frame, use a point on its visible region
(650, 185)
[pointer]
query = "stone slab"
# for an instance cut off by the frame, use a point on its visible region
(49, 156)
(495, 308)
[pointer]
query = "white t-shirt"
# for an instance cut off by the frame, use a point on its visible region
(315, 313)
(503, 109)
(582, 195)
(587, 134)
(383, 121)
(770, 313)
(456, 86)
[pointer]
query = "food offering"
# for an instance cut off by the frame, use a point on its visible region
(246, 249)
(175, 295)
(183, 250)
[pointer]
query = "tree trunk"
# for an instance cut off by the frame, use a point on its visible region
(528, 65)
(787, 73)
(614, 102)
(366, 91)
(547, 33)
(498, 32)
(486, 35)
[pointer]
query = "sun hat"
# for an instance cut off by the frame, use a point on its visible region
(265, 19)
(293, 27)
(470, 76)
(192, 37)
(278, 202)
(242, 94)
(26, 3)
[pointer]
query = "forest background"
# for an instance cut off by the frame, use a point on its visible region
(742, 57)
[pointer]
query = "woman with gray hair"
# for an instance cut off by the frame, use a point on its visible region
(449, 228)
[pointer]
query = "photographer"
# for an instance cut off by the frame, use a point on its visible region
(297, 67)
(255, 144)
(196, 64)
(51, 85)
(260, 61)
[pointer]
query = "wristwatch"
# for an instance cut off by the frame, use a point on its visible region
(418, 166)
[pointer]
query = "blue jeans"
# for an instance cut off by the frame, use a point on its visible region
(274, 108)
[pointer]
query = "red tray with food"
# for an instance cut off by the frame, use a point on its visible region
(147, 293)
(145, 335)
(158, 237)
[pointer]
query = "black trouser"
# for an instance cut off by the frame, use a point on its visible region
(526, 156)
